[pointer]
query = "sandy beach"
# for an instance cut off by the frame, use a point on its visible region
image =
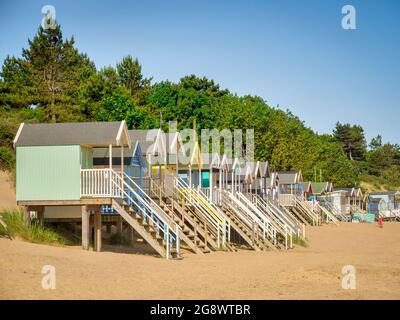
(7, 192)
(302, 273)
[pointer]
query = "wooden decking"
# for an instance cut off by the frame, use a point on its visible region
(81, 202)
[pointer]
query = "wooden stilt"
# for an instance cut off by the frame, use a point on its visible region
(40, 215)
(97, 230)
(85, 228)
(27, 216)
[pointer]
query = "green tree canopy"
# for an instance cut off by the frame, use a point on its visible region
(352, 140)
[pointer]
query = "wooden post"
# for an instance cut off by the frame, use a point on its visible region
(119, 225)
(122, 167)
(27, 216)
(85, 228)
(195, 234)
(233, 181)
(211, 184)
(205, 235)
(131, 233)
(110, 167)
(199, 184)
(190, 176)
(40, 214)
(97, 229)
(253, 233)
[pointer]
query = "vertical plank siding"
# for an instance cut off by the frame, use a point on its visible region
(49, 172)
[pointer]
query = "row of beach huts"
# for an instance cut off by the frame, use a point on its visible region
(101, 175)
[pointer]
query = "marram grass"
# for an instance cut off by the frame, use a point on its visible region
(300, 241)
(36, 232)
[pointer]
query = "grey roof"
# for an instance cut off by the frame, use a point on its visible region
(209, 158)
(269, 180)
(287, 177)
(170, 137)
(347, 190)
(72, 133)
(264, 168)
(304, 186)
(141, 136)
(384, 193)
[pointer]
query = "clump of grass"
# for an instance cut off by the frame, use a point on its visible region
(118, 238)
(300, 241)
(35, 232)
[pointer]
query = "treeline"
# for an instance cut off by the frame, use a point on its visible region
(53, 82)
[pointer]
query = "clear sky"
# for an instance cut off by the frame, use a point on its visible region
(292, 53)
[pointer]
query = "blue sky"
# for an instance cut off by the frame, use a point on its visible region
(292, 53)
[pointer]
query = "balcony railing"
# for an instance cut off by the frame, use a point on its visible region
(100, 183)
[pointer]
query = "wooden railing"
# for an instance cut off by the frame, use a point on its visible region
(287, 200)
(99, 183)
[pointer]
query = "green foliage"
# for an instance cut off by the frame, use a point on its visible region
(120, 107)
(7, 159)
(300, 241)
(130, 75)
(376, 142)
(34, 233)
(352, 140)
(383, 158)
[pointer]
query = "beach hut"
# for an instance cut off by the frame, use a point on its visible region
(153, 147)
(271, 185)
(135, 164)
(190, 172)
(238, 170)
(321, 188)
(340, 200)
(289, 182)
(385, 204)
(175, 151)
(62, 170)
(210, 174)
(306, 190)
(224, 180)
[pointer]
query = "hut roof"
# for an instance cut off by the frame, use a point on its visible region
(73, 133)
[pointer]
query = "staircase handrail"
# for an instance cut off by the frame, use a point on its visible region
(120, 183)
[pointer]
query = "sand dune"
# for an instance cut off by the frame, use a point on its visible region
(312, 273)
(7, 192)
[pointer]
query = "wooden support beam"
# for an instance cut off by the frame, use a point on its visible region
(85, 228)
(82, 202)
(97, 230)
(119, 225)
(40, 214)
(27, 216)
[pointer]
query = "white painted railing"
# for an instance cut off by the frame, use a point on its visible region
(245, 214)
(287, 200)
(265, 222)
(220, 224)
(139, 199)
(284, 220)
(99, 183)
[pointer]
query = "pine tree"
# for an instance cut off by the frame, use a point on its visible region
(352, 140)
(130, 74)
(48, 76)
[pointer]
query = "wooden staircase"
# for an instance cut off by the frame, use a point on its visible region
(146, 228)
(196, 230)
(149, 220)
(306, 212)
(246, 225)
(199, 214)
